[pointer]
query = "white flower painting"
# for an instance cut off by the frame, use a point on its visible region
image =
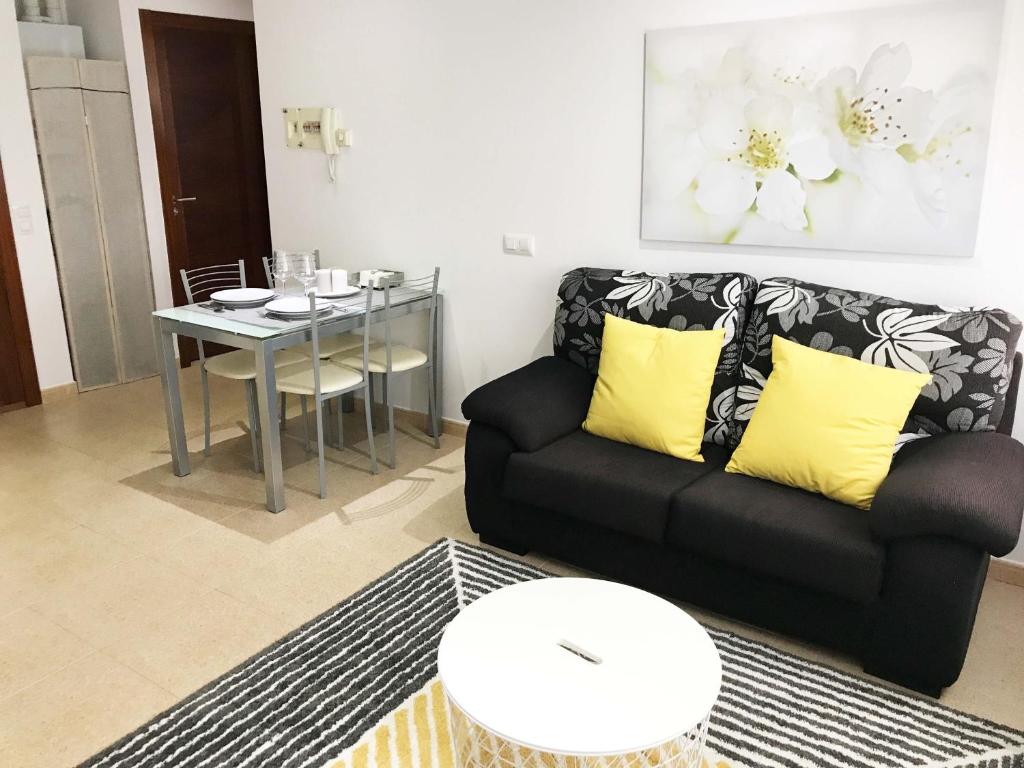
(863, 131)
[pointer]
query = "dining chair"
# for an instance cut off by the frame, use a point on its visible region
(325, 380)
(199, 284)
(328, 346)
(387, 359)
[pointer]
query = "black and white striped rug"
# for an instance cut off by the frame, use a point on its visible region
(311, 695)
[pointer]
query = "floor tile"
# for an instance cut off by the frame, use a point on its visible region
(300, 580)
(32, 647)
(107, 607)
(136, 518)
(37, 566)
(183, 647)
(214, 556)
(75, 712)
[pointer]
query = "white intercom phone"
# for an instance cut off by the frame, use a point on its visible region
(330, 135)
(317, 128)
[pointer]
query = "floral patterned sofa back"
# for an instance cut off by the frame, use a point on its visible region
(680, 300)
(968, 351)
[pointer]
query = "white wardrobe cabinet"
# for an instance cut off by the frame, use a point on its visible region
(89, 162)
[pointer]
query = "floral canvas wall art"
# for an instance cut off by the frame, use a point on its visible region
(863, 130)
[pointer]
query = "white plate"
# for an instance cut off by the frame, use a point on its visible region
(348, 291)
(295, 306)
(242, 295)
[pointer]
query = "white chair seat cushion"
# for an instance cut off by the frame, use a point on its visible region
(241, 364)
(298, 379)
(402, 359)
(332, 345)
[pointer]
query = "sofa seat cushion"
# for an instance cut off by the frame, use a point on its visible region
(788, 534)
(609, 484)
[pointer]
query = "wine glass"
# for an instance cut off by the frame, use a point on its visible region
(304, 269)
(282, 270)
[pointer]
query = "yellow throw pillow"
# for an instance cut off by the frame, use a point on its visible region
(653, 386)
(826, 423)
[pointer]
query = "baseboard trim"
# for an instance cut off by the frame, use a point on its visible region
(418, 419)
(60, 392)
(1007, 572)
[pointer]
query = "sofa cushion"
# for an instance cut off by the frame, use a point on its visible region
(967, 351)
(653, 387)
(605, 483)
(679, 300)
(791, 535)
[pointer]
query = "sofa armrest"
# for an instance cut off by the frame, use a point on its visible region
(967, 486)
(536, 404)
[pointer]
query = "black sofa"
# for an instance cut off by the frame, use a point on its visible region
(898, 585)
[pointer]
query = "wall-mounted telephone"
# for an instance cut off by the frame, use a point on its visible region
(317, 128)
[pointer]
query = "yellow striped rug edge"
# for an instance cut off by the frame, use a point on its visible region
(417, 734)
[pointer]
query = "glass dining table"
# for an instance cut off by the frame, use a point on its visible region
(263, 338)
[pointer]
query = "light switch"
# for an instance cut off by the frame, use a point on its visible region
(517, 243)
(21, 216)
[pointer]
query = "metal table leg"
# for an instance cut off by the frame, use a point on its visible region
(172, 397)
(266, 392)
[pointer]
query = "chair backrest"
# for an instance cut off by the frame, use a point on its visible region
(353, 303)
(200, 282)
(424, 284)
(268, 264)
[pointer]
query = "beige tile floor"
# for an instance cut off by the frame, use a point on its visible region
(123, 588)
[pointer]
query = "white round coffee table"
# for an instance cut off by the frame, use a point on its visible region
(577, 673)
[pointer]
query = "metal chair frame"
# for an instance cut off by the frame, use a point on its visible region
(320, 397)
(420, 282)
(207, 280)
(268, 271)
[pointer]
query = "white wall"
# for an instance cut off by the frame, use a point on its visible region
(139, 88)
(100, 21)
(25, 188)
(473, 118)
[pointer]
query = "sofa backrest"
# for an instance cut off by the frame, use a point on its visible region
(1010, 411)
(680, 300)
(968, 351)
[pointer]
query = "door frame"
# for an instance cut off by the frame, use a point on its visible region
(11, 273)
(163, 122)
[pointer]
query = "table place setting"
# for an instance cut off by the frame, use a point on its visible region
(282, 313)
(274, 307)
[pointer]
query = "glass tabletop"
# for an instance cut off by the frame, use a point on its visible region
(225, 322)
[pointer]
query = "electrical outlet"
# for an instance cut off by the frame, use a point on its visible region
(517, 243)
(21, 215)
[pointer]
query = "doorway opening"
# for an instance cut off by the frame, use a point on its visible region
(204, 96)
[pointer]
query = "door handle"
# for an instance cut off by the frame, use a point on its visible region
(175, 209)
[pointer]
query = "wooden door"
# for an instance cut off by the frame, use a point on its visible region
(18, 383)
(204, 94)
